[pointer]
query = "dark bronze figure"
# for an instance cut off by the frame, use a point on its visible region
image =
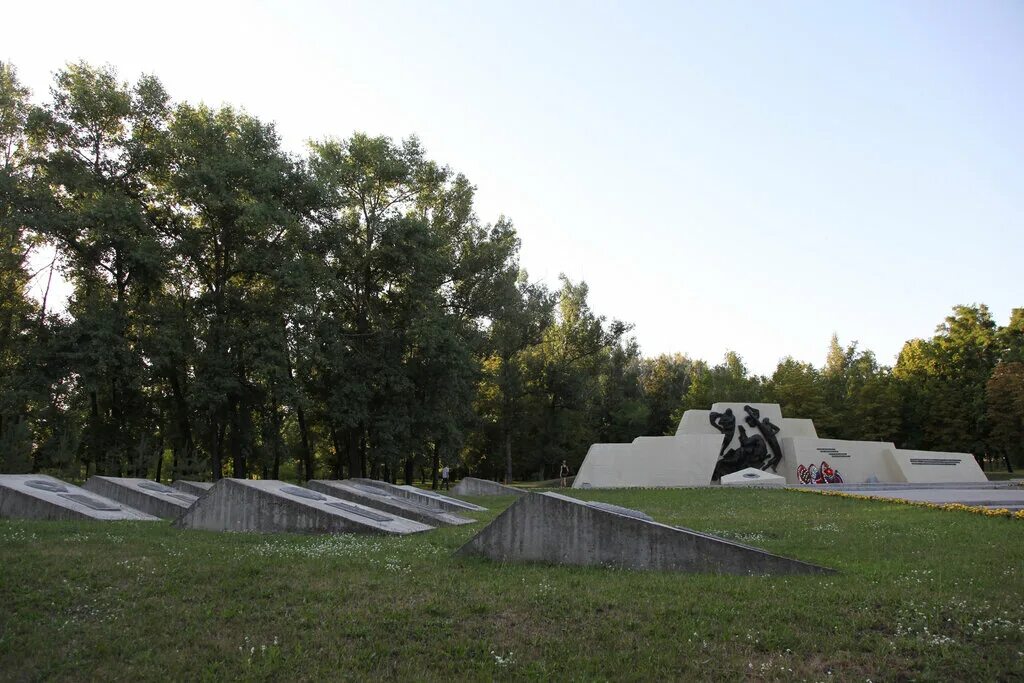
(768, 430)
(752, 452)
(725, 423)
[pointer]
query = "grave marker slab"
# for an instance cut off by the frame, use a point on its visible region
(418, 495)
(196, 488)
(556, 529)
(149, 496)
(471, 486)
(38, 496)
(272, 506)
(380, 499)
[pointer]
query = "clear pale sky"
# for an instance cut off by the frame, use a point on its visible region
(725, 175)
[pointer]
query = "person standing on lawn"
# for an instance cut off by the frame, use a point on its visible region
(563, 473)
(445, 473)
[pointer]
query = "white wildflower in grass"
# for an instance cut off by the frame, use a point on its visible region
(503, 660)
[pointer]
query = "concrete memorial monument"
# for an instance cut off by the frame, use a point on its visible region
(38, 496)
(471, 486)
(379, 499)
(418, 495)
(710, 445)
(142, 494)
(556, 529)
(272, 506)
(196, 488)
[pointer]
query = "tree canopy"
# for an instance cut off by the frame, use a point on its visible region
(238, 310)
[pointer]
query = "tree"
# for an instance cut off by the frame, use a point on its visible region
(1004, 394)
(665, 380)
(798, 389)
(942, 381)
(517, 328)
(94, 156)
(725, 382)
(237, 198)
(15, 248)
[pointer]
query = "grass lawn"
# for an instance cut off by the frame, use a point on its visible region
(921, 594)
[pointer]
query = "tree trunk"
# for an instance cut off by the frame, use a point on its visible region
(307, 452)
(216, 462)
(238, 463)
(181, 416)
(338, 460)
(436, 466)
(508, 455)
(355, 458)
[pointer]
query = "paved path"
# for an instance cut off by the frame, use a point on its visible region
(997, 494)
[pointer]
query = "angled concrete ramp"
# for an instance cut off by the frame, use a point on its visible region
(379, 499)
(272, 506)
(421, 496)
(471, 486)
(556, 529)
(142, 494)
(196, 488)
(37, 496)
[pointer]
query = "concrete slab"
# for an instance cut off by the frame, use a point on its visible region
(471, 486)
(852, 461)
(196, 488)
(993, 497)
(753, 477)
(379, 499)
(937, 466)
(38, 496)
(273, 506)
(423, 497)
(651, 462)
(142, 494)
(556, 529)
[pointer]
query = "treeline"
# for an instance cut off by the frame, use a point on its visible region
(241, 311)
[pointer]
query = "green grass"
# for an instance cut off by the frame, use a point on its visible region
(921, 594)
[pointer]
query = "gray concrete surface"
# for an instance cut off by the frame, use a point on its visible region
(196, 488)
(556, 529)
(1010, 497)
(423, 497)
(272, 506)
(379, 499)
(471, 486)
(142, 494)
(38, 496)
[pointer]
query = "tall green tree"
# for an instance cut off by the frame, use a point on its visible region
(237, 196)
(94, 156)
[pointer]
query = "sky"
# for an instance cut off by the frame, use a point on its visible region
(724, 175)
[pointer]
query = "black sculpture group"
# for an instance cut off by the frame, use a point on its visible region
(760, 450)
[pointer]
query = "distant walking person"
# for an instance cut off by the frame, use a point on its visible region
(445, 472)
(563, 473)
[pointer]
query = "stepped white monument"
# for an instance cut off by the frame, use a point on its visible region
(711, 445)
